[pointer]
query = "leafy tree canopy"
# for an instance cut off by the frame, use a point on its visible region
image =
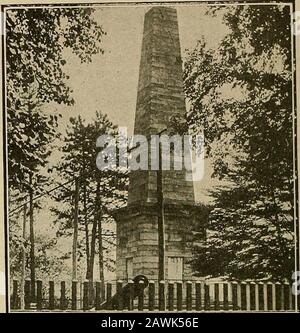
(241, 97)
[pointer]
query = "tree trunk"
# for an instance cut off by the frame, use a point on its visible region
(87, 244)
(90, 273)
(75, 231)
(32, 250)
(23, 272)
(101, 261)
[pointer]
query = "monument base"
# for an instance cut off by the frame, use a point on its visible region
(137, 240)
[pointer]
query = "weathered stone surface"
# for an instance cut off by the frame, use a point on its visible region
(160, 96)
(138, 239)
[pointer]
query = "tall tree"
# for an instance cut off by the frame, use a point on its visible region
(99, 190)
(36, 39)
(241, 97)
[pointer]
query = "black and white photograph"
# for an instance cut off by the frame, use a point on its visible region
(150, 157)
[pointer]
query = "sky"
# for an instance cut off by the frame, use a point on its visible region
(109, 83)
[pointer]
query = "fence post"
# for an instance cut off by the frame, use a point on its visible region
(291, 298)
(234, 296)
(27, 293)
(161, 296)
(189, 295)
(243, 305)
(131, 295)
(63, 295)
(108, 291)
(86, 295)
(103, 291)
(278, 300)
(252, 287)
(217, 296)
(265, 293)
(98, 295)
(14, 303)
(282, 297)
(230, 297)
(239, 296)
(198, 295)
(91, 296)
(206, 297)
(248, 297)
(151, 295)
(171, 296)
(269, 295)
(141, 296)
(286, 295)
(256, 292)
(274, 297)
(225, 295)
(74, 295)
(179, 295)
(80, 295)
(260, 288)
(51, 295)
(119, 294)
(39, 294)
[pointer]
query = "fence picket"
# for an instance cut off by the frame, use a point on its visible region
(63, 295)
(252, 286)
(216, 296)
(273, 297)
(161, 296)
(291, 298)
(141, 296)
(248, 297)
(85, 295)
(239, 296)
(51, 295)
(151, 295)
(269, 295)
(39, 294)
(74, 295)
(198, 295)
(282, 305)
(98, 295)
(234, 296)
(224, 296)
(103, 291)
(119, 295)
(243, 305)
(171, 296)
(14, 302)
(189, 288)
(179, 295)
(256, 297)
(206, 297)
(131, 295)
(108, 291)
(265, 293)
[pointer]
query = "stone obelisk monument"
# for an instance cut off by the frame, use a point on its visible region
(160, 97)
